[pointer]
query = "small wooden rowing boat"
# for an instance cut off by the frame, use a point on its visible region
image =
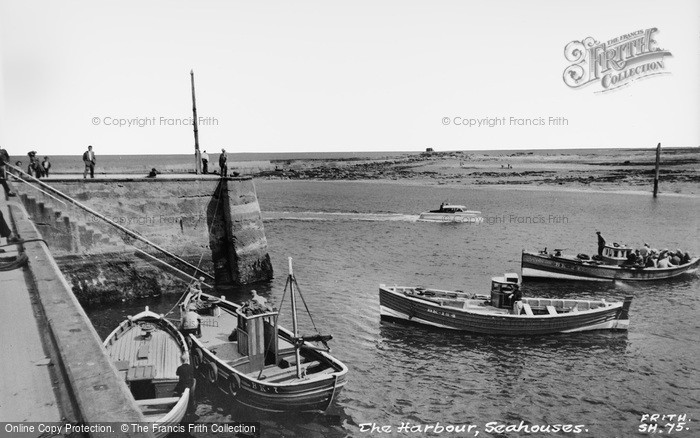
(611, 266)
(452, 213)
(243, 351)
(146, 350)
(496, 315)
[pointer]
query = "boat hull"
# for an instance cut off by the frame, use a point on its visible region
(396, 305)
(535, 265)
(466, 218)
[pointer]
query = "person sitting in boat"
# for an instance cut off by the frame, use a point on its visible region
(686, 258)
(257, 304)
(663, 261)
(677, 257)
(191, 321)
(516, 299)
(650, 262)
(196, 289)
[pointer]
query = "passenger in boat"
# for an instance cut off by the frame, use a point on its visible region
(644, 250)
(601, 243)
(663, 261)
(191, 321)
(686, 258)
(650, 262)
(677, 257)
(516, 298)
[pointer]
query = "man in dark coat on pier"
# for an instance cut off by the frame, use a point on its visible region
(601, 243)
(4, 159)
(89, 160)
(223, 163)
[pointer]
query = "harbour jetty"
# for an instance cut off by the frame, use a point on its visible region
(211, 223)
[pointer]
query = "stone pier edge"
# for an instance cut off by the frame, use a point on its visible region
(100, 394)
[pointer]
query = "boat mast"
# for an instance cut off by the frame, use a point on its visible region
(197, 154)
(294, 319)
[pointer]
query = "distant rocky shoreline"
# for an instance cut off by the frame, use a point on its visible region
(632, 170)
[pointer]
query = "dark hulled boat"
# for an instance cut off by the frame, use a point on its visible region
(494, 315)
(613, 265)
(245, 353)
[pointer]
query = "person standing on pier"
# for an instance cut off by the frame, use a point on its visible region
(45, 166)
(89, 160)
(223, 159)
(205, 162)
(5, 159)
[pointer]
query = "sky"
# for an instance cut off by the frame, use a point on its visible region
(324, 76)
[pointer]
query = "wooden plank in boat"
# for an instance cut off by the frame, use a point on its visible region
(528, 310)
(121, 365)
(157, 401)
(551, 310)
(145, 372)
(280, 373)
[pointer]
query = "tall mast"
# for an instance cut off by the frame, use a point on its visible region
(197, 154)
(294, 318)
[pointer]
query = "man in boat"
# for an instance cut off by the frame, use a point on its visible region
(186, 374)
(191, 321)
(259, 304)
(196, 290)
(601, 244)
(516, 298)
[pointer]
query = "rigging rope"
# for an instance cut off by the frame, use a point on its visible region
(201, 256)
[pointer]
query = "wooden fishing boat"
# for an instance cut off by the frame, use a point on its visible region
(452, 213)
(494, 314)
(611, 266)
(245, 353)
(146, 350)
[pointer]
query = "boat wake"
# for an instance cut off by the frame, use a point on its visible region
(337, 216)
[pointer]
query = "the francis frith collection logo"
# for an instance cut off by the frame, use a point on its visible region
(616, 62)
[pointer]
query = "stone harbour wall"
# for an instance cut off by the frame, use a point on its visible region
(209, 222)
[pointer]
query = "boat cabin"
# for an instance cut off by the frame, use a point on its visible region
(256, 334)
(450, 208)
(502, 288)
(615, 254)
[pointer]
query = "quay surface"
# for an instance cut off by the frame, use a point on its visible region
(53, 366)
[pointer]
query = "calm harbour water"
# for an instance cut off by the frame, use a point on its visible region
(348, 237)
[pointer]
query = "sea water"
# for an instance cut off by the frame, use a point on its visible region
(348, 237)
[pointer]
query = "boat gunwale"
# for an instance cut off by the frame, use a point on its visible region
(607, 306)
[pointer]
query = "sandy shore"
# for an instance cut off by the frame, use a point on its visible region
(612, 170)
